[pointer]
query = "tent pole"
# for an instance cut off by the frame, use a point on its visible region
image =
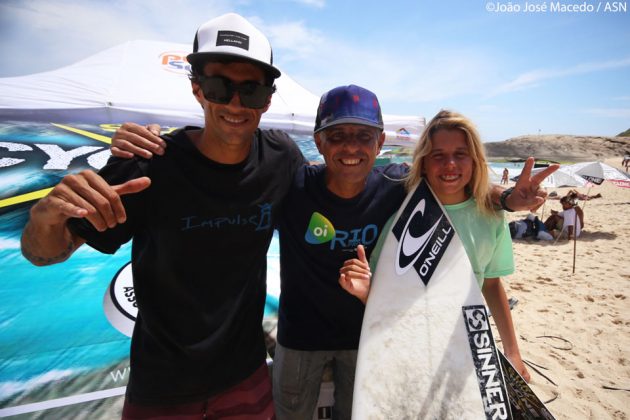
(574, 239)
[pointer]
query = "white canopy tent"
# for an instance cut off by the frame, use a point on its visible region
(150, 77)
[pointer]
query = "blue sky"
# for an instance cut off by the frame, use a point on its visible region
(513, 73)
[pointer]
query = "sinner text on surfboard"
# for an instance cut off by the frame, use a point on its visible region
(491, 382)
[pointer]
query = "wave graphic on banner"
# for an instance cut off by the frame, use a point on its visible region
(59, 353)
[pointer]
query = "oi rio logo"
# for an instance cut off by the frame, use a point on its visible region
(320, 230)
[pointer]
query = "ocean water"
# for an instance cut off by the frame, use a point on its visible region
(496, 170)
(53, 330)
(308, 147)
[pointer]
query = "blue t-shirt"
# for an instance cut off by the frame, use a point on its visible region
(318, 232)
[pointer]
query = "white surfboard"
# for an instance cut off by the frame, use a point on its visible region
(426, 348)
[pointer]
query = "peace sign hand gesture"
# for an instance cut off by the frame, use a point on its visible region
(527, 193)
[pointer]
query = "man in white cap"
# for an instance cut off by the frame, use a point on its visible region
(201, 218)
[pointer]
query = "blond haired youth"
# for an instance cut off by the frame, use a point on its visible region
(478, 186)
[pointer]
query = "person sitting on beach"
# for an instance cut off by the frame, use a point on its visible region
(570, 219)
(531, 226)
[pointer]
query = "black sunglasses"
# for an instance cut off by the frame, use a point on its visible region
(221, 90)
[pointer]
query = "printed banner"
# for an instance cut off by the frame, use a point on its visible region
(60, 356)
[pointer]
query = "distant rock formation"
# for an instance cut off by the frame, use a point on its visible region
(559, 147)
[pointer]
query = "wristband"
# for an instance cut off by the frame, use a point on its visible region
(503, 197)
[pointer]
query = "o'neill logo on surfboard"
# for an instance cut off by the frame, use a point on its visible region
(486, 360)
(423, 234)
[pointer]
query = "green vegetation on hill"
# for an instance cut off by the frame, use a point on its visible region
(624, 134)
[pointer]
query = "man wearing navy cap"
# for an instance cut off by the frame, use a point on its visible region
(332, 213)
(201, 219)
(331, 210)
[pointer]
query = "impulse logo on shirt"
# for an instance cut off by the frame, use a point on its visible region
(261, 221)
(320, 230)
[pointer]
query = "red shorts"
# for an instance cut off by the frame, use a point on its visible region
(249, 400)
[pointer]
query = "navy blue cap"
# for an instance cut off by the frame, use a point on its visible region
(348, 105)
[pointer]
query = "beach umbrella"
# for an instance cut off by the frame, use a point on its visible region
(598, 172)
(557, 179)
(561, 178)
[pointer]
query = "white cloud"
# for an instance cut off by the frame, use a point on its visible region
(42, 35)
(296, 41)
(534, 78)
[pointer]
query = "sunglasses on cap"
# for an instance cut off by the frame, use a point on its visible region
(220, 90)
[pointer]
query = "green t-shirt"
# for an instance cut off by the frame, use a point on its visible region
(486, 240)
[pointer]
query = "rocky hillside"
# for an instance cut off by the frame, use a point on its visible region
(562, 148)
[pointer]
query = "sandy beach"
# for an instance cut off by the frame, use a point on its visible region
(575, 327)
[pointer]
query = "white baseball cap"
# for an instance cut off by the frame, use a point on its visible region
(232, 35)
